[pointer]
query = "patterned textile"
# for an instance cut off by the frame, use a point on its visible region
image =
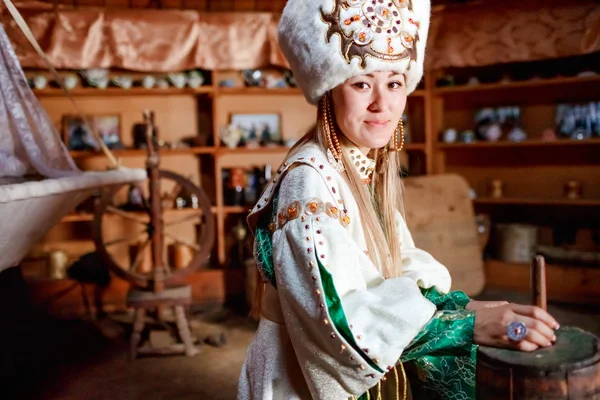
(456, 300)
(263, 248)
(441, 359)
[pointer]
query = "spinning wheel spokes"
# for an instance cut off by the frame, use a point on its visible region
(126, 215)
(184, 219)
(183, 241)
(128, 239)
(132, 253)
(139, 256)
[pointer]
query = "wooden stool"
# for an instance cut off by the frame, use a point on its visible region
(145, 300)
(569, 369)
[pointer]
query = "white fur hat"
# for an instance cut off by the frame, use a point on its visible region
(328, 41)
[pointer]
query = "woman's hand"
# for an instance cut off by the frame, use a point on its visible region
(477, 305)
(491, 326)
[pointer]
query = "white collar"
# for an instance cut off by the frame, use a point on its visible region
(363, 164)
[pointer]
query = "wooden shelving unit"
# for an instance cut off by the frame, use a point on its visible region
(119, 92)
(218, 103)
(515, 85)
(235, 210)
(258, 150)
(88, 217)
(142, 153)
(525, 143)
(533, 171)
(529, 168)
(259, 91)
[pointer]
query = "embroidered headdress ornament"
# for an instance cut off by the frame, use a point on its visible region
(328, 41)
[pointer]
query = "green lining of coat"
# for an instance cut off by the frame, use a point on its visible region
(455, 300)
(336, 312)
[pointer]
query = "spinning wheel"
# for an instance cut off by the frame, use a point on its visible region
(153, 227)
(151, 222)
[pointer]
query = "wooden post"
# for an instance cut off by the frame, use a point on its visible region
(538, 282)
(157, 238)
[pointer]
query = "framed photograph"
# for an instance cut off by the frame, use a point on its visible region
(78, 137)
(262, 129)
(578, 120)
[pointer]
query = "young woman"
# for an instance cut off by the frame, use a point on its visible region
(346, 299)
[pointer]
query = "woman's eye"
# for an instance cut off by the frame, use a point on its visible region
(395, 85)
(361, 85)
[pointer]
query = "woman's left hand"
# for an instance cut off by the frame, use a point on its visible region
(476, 305)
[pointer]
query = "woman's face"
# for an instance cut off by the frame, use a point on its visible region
(368, 108)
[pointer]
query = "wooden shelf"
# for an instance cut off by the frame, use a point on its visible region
(285, 149)
(143, 152)
(258, 150)
(418, 93)
(526, 143)
(516, 85)
(87, 217)
(283, 91)
(199, 150)
(259, 91)
(53, 92)
(78, 217)
(174, 211)
(414, 147)
(538, 202)
(564, 282)
(235, 209)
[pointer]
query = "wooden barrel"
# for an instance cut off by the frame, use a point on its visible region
(570, 369)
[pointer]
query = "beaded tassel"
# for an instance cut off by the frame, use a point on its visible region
(399, 129)
(332, 141)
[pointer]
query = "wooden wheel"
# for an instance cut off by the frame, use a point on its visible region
(150, 230)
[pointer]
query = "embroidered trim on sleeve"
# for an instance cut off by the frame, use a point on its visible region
(312, 207)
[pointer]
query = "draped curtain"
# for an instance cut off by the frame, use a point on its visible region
(174, 40)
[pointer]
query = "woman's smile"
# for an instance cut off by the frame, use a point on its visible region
(377, 124)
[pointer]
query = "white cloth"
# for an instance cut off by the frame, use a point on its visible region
(28, 210)
(306, 357)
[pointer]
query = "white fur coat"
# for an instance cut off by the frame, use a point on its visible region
(301, 349)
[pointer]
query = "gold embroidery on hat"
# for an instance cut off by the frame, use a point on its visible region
(371, 15)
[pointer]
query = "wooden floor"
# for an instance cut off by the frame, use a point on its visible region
(79, 360)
